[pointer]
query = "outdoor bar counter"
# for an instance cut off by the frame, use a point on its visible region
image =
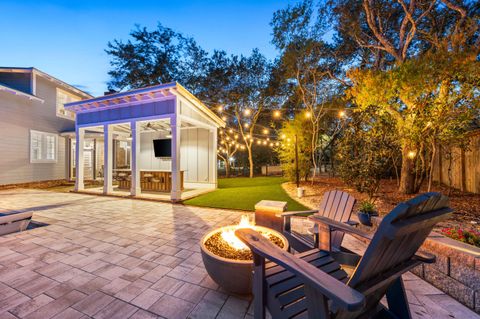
(154, 180)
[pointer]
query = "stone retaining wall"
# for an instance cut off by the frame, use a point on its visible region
(456, 271)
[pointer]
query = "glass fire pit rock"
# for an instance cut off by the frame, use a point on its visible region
(234, 275)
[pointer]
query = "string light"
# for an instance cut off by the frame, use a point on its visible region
(412, 154)
(276, 114)
(247, 112)
(308, 115)
(342, 114)
(224, 118)
(259, 142)
(230, 131)
(265, 131)
(246, 125)
(220, 108)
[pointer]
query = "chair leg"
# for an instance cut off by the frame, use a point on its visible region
(397, 300)
(258, 287)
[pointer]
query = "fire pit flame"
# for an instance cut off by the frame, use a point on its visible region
(229, 235)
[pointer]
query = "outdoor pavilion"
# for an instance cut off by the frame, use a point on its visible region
(146, 121)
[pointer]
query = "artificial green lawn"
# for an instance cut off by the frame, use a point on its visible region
(243, 193)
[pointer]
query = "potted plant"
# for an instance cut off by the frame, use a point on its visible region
(366, 211)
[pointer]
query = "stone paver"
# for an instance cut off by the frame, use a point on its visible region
(105, 257)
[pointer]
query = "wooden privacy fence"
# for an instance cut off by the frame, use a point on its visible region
(462, 165)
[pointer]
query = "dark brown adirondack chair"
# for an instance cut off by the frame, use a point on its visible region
(336, 205)
(314, 284)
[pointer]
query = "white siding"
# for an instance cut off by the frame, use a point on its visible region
(195, 155)
(18, 116)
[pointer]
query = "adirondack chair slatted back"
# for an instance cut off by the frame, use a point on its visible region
(398, 238)
(338, 206)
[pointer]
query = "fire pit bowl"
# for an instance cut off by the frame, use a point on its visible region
(233, 273)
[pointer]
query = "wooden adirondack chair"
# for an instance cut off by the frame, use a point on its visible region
(314, 284)
(336, 205)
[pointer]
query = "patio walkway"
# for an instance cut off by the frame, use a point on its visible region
(106, 257)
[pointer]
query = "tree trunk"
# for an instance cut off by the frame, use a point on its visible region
(432, 166)
(250, 161)
(227, 168)
(407, 174)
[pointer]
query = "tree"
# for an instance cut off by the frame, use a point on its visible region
(248, 97)
(228, 147)
(153, 57)
(297, 130)
(386, 34)
(432, 98)
(366, 151)
(308, 62)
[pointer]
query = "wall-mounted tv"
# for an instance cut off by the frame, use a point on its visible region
(162, 147)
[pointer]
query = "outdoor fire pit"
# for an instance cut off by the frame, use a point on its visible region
(228, 260)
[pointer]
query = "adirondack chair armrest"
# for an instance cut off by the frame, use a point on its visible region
(334, 225)
(342, 295)
(425, 257)
(314, 230)
(298, 213)
(352, 223)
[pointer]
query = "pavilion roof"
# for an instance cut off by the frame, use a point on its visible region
(141, 96)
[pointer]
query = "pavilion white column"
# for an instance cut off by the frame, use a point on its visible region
(135, 153)
(108, 159)
(214, 157)
(79, 159)
(176, 193)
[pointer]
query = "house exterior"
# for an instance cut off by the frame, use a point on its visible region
(32, 125)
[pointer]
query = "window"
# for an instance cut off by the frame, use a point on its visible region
(43, 147)
(63, 98)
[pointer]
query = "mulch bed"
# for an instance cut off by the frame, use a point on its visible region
(466, 205)
(220, 247)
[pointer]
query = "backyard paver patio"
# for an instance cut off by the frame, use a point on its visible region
(106, 257)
